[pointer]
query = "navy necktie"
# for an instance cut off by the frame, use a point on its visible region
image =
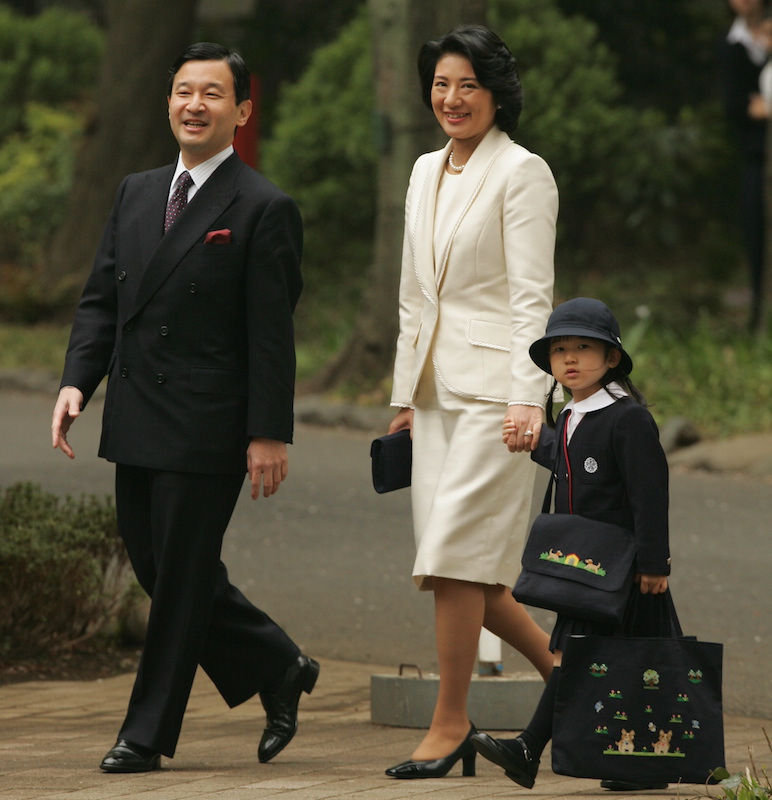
(178, 200)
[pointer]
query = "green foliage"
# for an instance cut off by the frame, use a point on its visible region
(742, 786)
(63, 569)
(52, 58)
(628, 178)
(322, 153)
(705, 372)
(49, 67)
(35, 177)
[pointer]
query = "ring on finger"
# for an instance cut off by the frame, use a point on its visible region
(528, 433)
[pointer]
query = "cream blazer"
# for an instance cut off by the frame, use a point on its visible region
(474, 307)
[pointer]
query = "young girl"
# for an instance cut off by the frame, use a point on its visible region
(610, 467)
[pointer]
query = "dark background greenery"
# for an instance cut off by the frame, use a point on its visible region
(621, 100)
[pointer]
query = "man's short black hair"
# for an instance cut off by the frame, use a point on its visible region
(210, 51)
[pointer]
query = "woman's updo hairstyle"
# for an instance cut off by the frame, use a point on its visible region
(494, 67)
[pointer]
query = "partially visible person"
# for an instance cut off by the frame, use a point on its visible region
(743, 54)
(606, 419)
(188, 311)
(476, 289)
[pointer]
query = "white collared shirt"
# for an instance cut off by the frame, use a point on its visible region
(595, 402)
(740, 32)
(200, 173)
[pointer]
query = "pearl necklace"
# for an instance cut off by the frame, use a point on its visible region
(453, 164)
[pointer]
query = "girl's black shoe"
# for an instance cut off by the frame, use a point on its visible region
(512, 755)
(439, 767)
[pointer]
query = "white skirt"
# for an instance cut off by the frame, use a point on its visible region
(471, 497)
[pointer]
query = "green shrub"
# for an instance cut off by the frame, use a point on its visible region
(35, 177)
(52, 58)
(640, 194)
(64, 572)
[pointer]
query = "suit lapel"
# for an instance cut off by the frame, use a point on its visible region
(164, 253)
(467, 186)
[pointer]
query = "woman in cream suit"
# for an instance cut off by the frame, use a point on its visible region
(476, 290)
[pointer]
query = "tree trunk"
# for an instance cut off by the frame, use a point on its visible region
(406, 129)
(761, 322)
(129, 133)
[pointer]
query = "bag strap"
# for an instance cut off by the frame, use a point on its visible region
(650, 616)
(547, 502)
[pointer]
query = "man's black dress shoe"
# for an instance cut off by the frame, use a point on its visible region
(130, 757)
(627, 786)
(512, 755)
(439, 767)
(281, 707)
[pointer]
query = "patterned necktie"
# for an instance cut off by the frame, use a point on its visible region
(178, 200)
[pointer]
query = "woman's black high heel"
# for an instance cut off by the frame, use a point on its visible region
(439, 767)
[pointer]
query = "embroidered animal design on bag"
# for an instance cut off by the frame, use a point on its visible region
(554, 555)
(625, 743)
(591, 566)
(663, 745)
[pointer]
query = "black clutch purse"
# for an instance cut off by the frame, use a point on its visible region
(392, 461)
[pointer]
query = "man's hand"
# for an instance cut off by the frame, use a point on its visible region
(66, 410)
(267, 462)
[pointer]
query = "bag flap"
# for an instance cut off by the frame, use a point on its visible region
(579, 549)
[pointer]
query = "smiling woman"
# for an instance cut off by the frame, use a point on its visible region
(476, 286)
(463, 107)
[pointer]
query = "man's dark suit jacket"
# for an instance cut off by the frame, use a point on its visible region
(196, 336)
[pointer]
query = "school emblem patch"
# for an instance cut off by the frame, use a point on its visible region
(590, 465)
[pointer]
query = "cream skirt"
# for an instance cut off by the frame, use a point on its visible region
(471, 497)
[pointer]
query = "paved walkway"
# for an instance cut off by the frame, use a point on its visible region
(53, 735)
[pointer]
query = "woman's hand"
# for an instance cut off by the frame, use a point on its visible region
(521, 429)
(651, 584)
(403, 421)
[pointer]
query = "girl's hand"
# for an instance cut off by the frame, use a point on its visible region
(521, 428)
(651, 584)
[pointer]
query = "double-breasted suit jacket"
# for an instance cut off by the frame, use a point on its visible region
(194, 329)
(196, 336)
(473, 305)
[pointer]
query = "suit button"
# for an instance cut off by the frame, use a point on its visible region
(160, 378)
(193, 288)
(122, 275)
(164, 330)
(124, 372)
(129, 326)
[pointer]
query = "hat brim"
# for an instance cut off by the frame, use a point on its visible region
(540, 349)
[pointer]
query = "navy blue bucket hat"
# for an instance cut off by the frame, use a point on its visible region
(582, 316)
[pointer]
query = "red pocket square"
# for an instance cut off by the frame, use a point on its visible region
(218, 237)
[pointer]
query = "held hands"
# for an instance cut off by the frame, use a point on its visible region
(651, 584)
(521, 428)
(267, 462)
(66, 411)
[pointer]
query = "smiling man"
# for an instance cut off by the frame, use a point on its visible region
(188, 311)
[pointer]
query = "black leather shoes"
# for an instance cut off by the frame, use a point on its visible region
(512, 755)
(439, 767)
(627, 786)
(281, 707)
(129, 757)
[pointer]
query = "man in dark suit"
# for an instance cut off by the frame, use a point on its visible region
(188, 310)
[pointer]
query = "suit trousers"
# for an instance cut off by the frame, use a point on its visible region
(172, 524)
